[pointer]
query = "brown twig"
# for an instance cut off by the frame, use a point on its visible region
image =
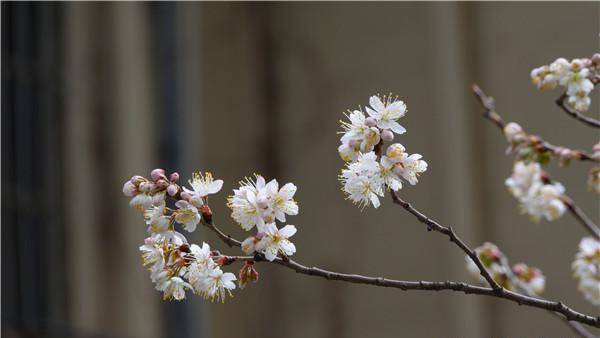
(490, 113)
(552, 306)
(575, 114)
(581, 217)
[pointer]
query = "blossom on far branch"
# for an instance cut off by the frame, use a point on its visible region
(520, 277)
(537, 198)
(586, 269)
(576, 76)
(528, 147)
(593, 181)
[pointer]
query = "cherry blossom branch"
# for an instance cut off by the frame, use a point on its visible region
(490, 113)
(552, 306)
(581, 217)
(575, 114)
(448, 231)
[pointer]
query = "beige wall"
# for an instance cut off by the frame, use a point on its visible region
(262, 89)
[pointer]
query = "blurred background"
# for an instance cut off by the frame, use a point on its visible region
(95, 93)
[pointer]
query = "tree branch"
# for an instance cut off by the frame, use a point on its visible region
(552, 306)
(490, 113)
(575, 114)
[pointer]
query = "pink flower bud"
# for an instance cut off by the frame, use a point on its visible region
(186, 195)
(137, 179)
(260, 235)
(596, 148)
(149, 241)
(174, 177)
(387, 135)
(596, 59)
(157, 174)
(172, 190)
(129, 189)
(370, 122)
(196, 201)
(162, 184)
(146, 186)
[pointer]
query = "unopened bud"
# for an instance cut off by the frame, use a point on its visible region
(596, 59)
(129, 189)
(172, 190)
(260, 235)
(186, 195)
(161, 183)
(149, 241)
(146, 186)
(174, 177)
(206, 213)
(157, 174)
(370, 122)
(387, 135)
(137, 180)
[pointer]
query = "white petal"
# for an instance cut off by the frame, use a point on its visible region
(287, 231)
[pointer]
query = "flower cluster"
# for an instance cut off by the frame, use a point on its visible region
(368, 173)
(538, 197)
(519, 277)
(575, 75)
(176, 266)
(260, 204)
(586, 269)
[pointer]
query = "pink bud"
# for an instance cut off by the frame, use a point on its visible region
(146, 186)
(186, 195)
(157, 174)
(370, 122)
(172, 190)
(596, 59)
(196, 200)
(149, 241)
(137, 179)
(129, 189)
(260, 235)
(161, 184)
(174, 177)
(387, 135)
(596, 147)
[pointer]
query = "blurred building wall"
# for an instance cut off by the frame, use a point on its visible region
(244, 88)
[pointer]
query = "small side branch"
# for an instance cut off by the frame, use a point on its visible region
(490, 114)
(575, 114)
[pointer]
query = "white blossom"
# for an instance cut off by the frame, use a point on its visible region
(361, 180)
(575, 76)
(156, 219)
(202, 186)
(544, 201)
(276, 241)
(386, 113)
(410, 167)
(524, 176)
(258, 202)
(586, 269)
(217, 284)
(357, 137)
(187, 215)
(174, 288)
